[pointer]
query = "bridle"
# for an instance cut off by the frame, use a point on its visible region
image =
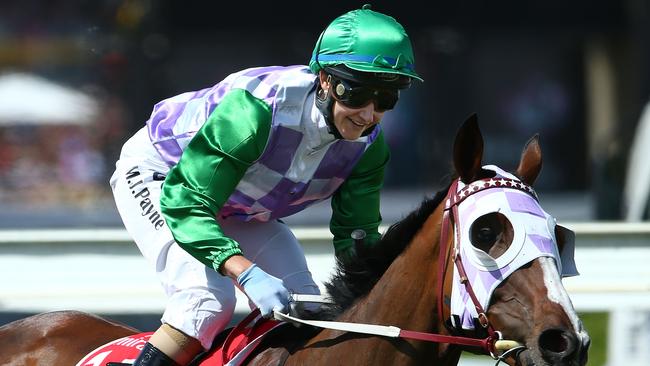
(449, 221)
(491, 344)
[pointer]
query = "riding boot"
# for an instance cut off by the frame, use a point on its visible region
(152, 356)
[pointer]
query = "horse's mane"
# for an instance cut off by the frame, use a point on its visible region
(355, 277)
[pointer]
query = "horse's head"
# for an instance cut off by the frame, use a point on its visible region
(513, 255)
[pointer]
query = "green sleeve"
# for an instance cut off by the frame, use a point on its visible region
(355, 205)
(230, 141)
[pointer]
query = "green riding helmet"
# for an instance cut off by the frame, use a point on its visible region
(368, 42)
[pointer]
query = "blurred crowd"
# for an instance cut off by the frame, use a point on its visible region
(54, 164)
(575, 72)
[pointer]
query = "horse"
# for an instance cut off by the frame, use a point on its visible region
(462, 267)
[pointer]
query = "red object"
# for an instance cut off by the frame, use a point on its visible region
(124, 350)
(127, 349)
(249, 329)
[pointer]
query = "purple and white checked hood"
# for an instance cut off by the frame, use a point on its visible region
(534, 237)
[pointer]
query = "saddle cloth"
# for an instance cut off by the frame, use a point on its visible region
(237, 346)
(122, 350)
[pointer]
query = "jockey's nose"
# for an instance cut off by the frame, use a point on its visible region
(367, 112)
(562, 347)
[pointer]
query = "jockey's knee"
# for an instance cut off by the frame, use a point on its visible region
(301, 282)
(200, 313)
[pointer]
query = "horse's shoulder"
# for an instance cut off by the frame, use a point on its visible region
(270, 356)
(280, 344)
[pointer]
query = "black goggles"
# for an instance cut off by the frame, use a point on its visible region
(356, 96)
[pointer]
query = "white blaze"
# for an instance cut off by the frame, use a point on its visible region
(557, 293)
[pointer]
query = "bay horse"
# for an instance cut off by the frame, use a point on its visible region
(479, 260)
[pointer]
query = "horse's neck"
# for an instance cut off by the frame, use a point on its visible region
(406, 296)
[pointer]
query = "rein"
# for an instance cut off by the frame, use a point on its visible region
(495, 344)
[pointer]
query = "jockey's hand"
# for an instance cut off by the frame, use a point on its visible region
(265, 291)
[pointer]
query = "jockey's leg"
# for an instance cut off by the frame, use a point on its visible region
(273, 247)
(201, 301)
(200, 305)
(153, 356)
(168, 346)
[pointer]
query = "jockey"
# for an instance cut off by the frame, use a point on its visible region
(202, 187)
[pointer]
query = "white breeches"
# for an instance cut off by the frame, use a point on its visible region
(201, 301)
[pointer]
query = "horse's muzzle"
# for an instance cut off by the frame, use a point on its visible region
(563, 347)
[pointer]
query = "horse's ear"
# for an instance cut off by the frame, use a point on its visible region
(531, 161)
(468, 150)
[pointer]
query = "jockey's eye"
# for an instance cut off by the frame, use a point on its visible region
(491, 233)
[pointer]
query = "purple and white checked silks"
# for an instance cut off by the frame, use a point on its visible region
(302, 163)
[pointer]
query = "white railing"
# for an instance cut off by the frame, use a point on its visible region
(101, 271)
(585, 232)
(613, 258)
(119, 235)
(114, 236)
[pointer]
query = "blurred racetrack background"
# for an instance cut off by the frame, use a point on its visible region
(77, 77)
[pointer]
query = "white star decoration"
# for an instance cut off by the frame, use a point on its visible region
(483, 184)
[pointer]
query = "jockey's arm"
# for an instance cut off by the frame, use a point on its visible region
(216, 159)
(235, 265)
(355, 205)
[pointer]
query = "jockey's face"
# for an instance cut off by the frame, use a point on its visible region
(353, 122)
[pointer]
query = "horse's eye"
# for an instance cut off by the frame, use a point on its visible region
(485, 235)
(485, 231)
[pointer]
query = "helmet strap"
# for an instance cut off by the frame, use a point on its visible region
(325, 103)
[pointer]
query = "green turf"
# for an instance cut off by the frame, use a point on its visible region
(596, 324)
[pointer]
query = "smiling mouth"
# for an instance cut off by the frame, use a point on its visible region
(362, 125)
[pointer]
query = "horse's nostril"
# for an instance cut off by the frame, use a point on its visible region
(557, 344)
(551, 340)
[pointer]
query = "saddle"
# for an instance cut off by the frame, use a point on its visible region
(232, 347)
(241, 341)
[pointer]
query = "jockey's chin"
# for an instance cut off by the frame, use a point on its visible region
(353, 122)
